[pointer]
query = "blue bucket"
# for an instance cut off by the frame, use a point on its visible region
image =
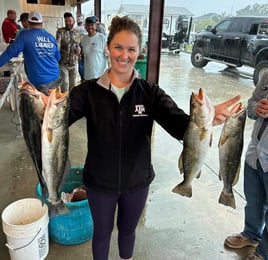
(76, 227)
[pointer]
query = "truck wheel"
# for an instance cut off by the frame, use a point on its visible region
(259, 69)
(197, 58)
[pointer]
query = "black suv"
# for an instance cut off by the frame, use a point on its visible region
(235, 41)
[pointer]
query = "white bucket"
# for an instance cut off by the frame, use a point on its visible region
(25, 223)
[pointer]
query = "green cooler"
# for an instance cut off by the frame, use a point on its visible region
(141, 67)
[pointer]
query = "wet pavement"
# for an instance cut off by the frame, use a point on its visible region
(172, 227)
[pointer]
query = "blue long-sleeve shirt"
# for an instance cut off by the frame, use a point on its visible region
(40, 52)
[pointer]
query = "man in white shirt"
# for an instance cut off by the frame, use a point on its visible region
(94, 50)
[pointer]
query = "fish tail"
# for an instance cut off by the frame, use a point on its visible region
(183, 189)
(57, 209)
(227, 199)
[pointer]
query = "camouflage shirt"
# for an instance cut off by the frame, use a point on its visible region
(68, 42)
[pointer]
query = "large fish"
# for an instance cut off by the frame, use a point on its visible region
(55, 144)
(230, 151)
(32, 107)
(196, 142)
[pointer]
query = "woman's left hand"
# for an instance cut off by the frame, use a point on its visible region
(222, 112)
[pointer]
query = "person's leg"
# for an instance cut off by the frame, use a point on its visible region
(102, 207)
(81, 69)
(254, 210)
(65, 78)
(255, 206)
(130, 207)
(73, 72)
(262, 249)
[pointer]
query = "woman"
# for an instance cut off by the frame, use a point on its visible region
(120, 109)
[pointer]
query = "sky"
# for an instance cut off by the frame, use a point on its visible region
(197, 7)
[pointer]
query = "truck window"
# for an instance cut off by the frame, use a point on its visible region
(253, 29)
(223, 27)
(263, 29)
(237, 26)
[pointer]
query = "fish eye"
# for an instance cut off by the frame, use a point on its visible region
(194, 105)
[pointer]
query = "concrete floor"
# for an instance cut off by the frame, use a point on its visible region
(172, 227)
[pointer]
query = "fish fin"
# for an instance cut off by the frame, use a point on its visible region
(220, 176)
(57, 209)
(210, 141)
(223, 139)
(236, 178)
(180, 164)
(227, 199)
(183, 189)
(198, 175)
(203, 134)
(49, 135)
(44, 192)
(44, 98)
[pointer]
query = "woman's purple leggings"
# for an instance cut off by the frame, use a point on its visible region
(103, 207)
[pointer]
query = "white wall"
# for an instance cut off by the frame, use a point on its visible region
(52, 14)
(4, 6)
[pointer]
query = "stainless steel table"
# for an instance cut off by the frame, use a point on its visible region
(9, 86)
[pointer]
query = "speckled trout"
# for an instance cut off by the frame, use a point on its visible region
(230, 150)
(55, 144)
(196, 142)
(32, 108)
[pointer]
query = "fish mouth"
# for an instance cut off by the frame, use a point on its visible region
(199, 96)
(237, 108)
(202, 99)
(27, 87)
(32, 91)
(57, 96)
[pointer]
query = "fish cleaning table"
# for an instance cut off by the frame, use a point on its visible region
(9, 86)
(10, 77)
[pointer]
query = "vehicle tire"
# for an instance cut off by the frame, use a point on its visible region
(259, 69)
(197, 58)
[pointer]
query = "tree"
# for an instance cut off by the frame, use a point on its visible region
(218, 18)
(202, 24)
(256, 9)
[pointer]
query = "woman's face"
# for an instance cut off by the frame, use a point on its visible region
(124, 51)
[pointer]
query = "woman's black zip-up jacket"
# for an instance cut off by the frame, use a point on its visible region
(119, 133)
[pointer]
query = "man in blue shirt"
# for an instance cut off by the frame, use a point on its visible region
(40, 52)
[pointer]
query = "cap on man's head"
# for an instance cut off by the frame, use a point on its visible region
(24, 17)
(80, 19)
(35, 17)
(67, 14)
(91, 20)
